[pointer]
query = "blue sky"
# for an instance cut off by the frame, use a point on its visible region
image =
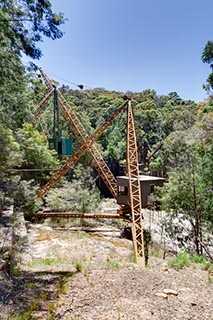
(132, 45)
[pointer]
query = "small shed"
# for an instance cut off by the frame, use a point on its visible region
(147, 185)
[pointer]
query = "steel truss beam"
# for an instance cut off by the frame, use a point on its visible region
(71, 215)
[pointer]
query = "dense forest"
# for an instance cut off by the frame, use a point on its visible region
(174, 136)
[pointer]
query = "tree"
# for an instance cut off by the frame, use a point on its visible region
(22, 26)
(25, 22)
(188, 191)
(33, 145)
(207, 57)
(81, 195)
(26, 149)
(15, 101)
(10, 158)
(10, 153)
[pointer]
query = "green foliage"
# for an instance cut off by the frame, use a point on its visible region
(79, 266)
(210, 278)
(26, 22)
(22, 26)
(15, 95)
(185, 259)
(15, 270)
(27, 315)
(181, 261)
(197, 259)
(81, 195)
(23, 191)
(86, 196)
(51, 307)
(189, 187)
(46, 262)
(62, 286)
(81, 234)
(207, 57)
(26, 148)
(207, 54)
(10, 153)
(12, 158)
(112, 264)
(36, 152)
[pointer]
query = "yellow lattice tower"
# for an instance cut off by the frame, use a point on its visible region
(134, 189)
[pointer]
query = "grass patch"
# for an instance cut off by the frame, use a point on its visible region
(206, 265)
(43, 295)
(47, 262)
(51, 310)
(79, 266)
(27, 315)
(210, 277)
(185, 259)
(112, 264)
(62, 286)
(63, 283)
(51, 261)
(197, 259)
(181, 261)
(34, 305)
(51, 307)
(15, 270)
(81, 235)
(30, 285)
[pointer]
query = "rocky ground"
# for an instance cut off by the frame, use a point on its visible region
(73, 274)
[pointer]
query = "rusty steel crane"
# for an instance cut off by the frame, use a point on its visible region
(100, 165)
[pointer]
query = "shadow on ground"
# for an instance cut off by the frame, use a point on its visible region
(31, 295)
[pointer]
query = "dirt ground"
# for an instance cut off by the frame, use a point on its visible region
(66, 274)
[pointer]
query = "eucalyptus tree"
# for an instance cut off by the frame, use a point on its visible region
(207, 57)
(25, 22)
(188, 191)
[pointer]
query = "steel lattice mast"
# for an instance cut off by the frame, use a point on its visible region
(134, 188)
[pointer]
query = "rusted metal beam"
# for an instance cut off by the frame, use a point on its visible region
(71, 215)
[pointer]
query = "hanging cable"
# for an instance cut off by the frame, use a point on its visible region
(81, 86)
(34, 67)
